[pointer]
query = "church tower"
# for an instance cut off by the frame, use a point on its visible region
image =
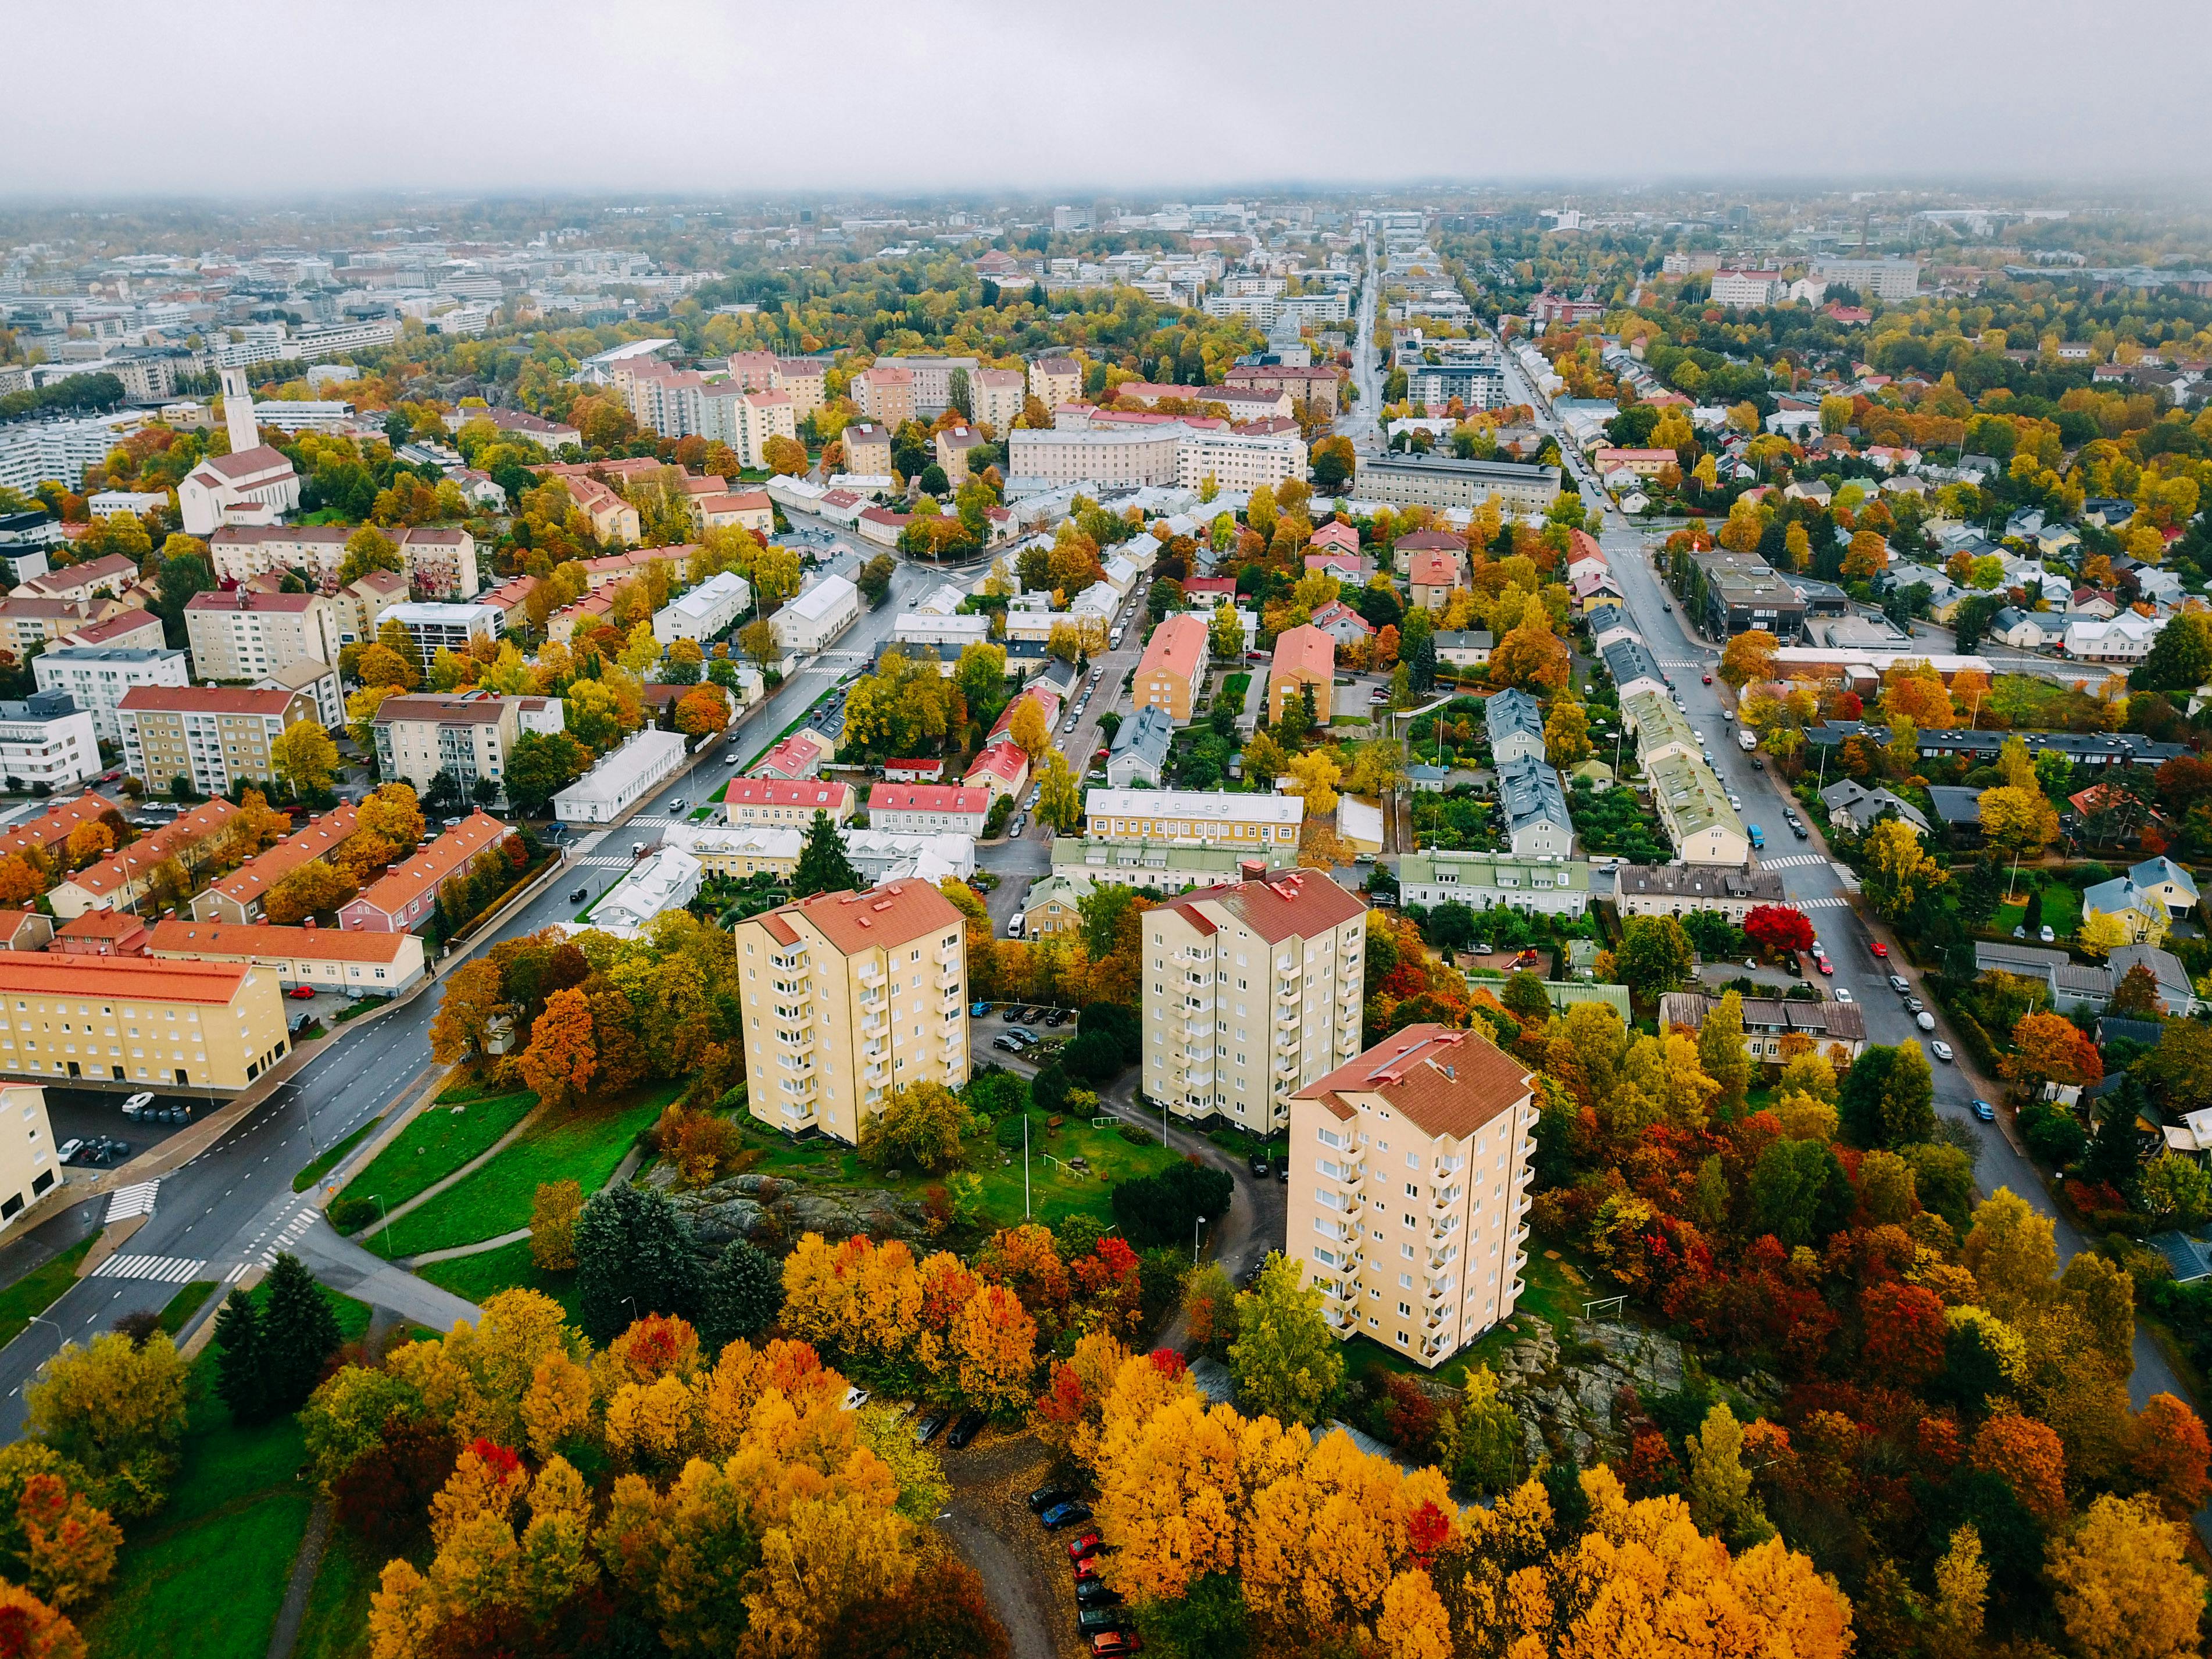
(237, 412)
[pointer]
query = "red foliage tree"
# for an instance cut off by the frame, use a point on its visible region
(1411, 1417)
(385, 1496)
(1905, 1334)
(944, 1615)
(1778, 927)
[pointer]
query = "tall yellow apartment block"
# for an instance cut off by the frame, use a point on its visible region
(1409, 1187)
(848, 996)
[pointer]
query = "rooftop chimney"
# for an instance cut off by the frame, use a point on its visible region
(1252, 869)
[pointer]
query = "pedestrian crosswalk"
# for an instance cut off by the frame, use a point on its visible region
(1793, 861)
(125, 1202)
(1834, 902)
(167, 1270)
(604, 862)
(259, 1255)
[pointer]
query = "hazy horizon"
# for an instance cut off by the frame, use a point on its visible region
(251, 101)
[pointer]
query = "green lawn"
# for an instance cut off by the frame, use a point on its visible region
(437, 1143)
(336, 1625)
(583, 1145)
(38, 1289)
(186, 1302)
(323, 1166)
(1234, 690)
(204, 1577)
(2062, 909)
(1054, 1192)
(508, 1268)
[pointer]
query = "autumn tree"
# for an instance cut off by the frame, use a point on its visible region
(919, 1127)
(553, 1213)
(2051, 1049)
(1060, 799)
(313, 888)
(2020, 821)
(304, 757)
(1721, 1050)
(563, 1055)
(1888, 1097)
(1286, 1361)
(1531, 657)
(471, 1001)
(2122, 1585)
(391, 811)
(116, 1408)
(1897, 868)
(1653, 957)
(1778, 927)
(1749, 658)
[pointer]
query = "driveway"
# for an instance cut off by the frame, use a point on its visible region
(1027, 1582)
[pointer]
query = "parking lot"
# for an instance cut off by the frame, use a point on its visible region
(1023, 1026)
(89, 1115)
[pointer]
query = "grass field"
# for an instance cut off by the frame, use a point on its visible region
(2062, 909)
(336, 1625)
(204, 1578)
(323, 1166)
(583, 1145)
(186, 1302)
(38, 1289)
(437, 1143)
(508, 1268)
(1054, 1192)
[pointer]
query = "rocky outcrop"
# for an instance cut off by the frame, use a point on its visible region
(1571, 1402)
(764, 1210)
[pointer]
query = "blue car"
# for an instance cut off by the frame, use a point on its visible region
(1062, 1515)
(979, 1010)
(1983, 1111)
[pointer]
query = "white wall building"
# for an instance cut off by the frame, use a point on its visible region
(47, 738)
(621, 779)
(96, 677)
(818, 616)
(706, 610)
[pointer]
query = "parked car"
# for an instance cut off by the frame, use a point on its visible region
(1083, 1546)
(136, 1105)
(1825, 966)
(69, 1149)
(678, 805)
(979, 1010)
(1058, 1017)
(302, 992)
(2045, 934)
(1925, 1020)
(855, 1397)
(1096, 1593)
(1897, 984)
(1282, 1172)
(1878, 948)
(1941, 1050)
(1800, 830)
(1045, 1497)
(1093, 1622)
(1709, 679)
(1064, 1515)
(1007, 1044)
(1843, 993)
(1915, 1004)
(1983, 1111)
(1010, 1011)
(965, 1430)
(1116, 1645)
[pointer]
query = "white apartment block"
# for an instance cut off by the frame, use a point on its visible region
(706, 610)
(96, 676)
(1251, 991)
(847, 996)
(1136, 455)
(46, 739)
(244, 633)
(1409, 1186)
(435, 628)
(1234, 461)
(435, 562)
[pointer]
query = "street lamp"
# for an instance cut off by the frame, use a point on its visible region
(1195, 1226)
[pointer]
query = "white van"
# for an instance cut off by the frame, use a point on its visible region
(1014, 927)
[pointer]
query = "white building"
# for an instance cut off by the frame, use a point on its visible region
(706, 610)
(882, 855)
(1234, 460)
(46, 739)
(254, 484)
(96, 677)
(436, 627)
(621, 779)
(668, 880)
(817, 617)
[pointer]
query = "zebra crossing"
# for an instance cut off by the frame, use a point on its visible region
(604, 862)
(1834, 902)
(1793, 861)
(166, 1269)
(294, 1230)
(124, 1202)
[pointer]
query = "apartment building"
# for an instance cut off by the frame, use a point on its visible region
(886, 394)
(1408, 480)
(406, 897)
(1055, 381)
(1694, 809)
(1239, 461)
(867, 450)
(239, 897)
(1251, 991)
(470, 735)
(1156, 866)
(46, 739)
(435, 562)
(775, 804)
(125, 878)
(931, 378)
(1315, 386)
(435, 628)
(361, 603)
(214, 1025)
(705, 611)
(243, 633)
(321, 958)
(1409, 1183)
(1172, 668)
(30, 1166)
(848, 996)
(928, 808)
(1174, 817)
(109, 577)
(995, 397)
(95, 678)
(212, 735)
(1119, 455)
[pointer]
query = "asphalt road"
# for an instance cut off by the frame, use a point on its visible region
(233, 1206)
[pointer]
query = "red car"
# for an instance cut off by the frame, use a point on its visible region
(1825, 966)
(1113, 1643)
(1879, 948)
(1087, 1568)
(302, 992)
(1709, 679)
(1083, 1548)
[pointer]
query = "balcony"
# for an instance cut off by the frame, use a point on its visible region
(1286, 1066)
(1198, 1079)
(1287, 1020)
(1443, 1204)
(949, 980)
(1339, 1291)
(870, 974)
(1196, 1031)
(1345, 1327)
(1435, 1295)
(1286, 995)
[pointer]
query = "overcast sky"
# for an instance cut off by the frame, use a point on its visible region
(253, 97)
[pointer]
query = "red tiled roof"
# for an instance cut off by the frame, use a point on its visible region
(1006, 760)
(776, 791)
(319, 838)
(430, 868)
(1421, 539)
(123, 979)
(1433, 570)
(1444, 1082)
(205, 700)
(119, 869)
(179, 938)
(1304, 652)
(1289, 904)
(1177, 646)
(880, 919)
(926, 797)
